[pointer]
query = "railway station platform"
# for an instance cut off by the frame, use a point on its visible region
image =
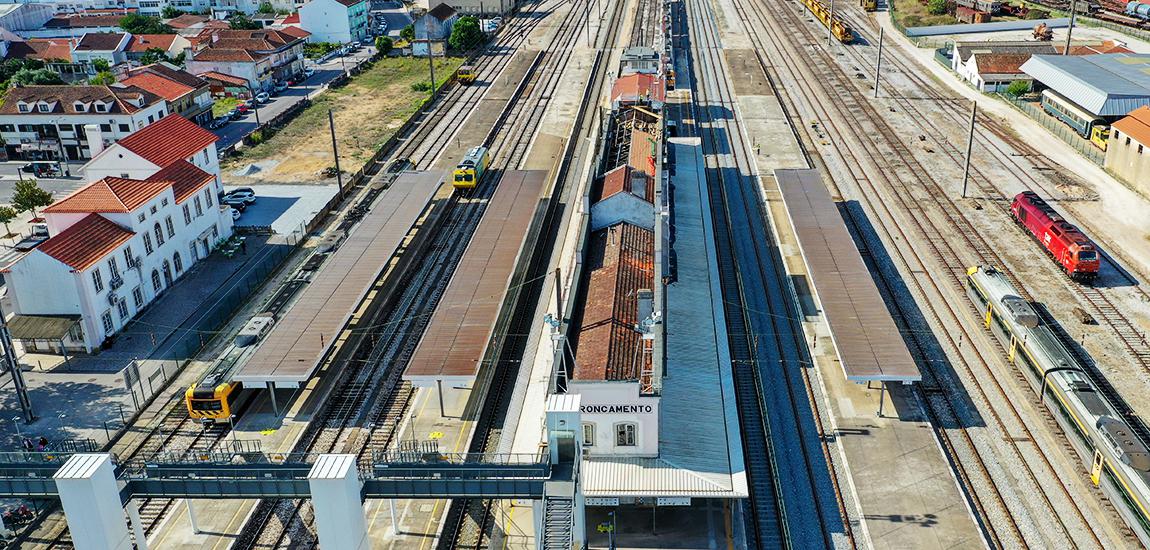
(295, 347)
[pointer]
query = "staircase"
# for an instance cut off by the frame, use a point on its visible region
(558, 521)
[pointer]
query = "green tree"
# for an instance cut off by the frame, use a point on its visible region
(936, 7)
(266, 7)
(143, 24)
(7, 214)
(383, 45)
(407, 33)
(241, 22)
(101, 65)
(28, 197)
(154, 55)
(1017, 88)
(466, 34)
(41, 77)
(171, 12)
(102, 78)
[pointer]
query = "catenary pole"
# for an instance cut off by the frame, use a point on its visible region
(969, 147)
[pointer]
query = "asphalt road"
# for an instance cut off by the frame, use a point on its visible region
(237, 129)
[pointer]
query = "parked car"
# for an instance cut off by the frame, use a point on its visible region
(263, 97)
(234, 114)
(308, 72)
(235, 203)
(243, 108)
(281, 86)
(246, 195)
(39, 168)
(235, 214)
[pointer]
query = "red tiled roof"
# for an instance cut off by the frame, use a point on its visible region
(167, 140)
(221, 54)
(110, 194)
(163, 87)
(296, 32)
(644, 145)
(83, 21)
(620, 262)
(186, 20)
(1136, 125)
(638, 87)
(225, 78)
(100, 41)
(185, 177)
(164, 71)
(65, 97)
(1001, 63)
(141, 43)
(292, 19)
(43, 49)
(85, 242)
(624, 180)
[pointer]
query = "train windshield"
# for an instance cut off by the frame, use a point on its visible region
(1087, 256)
(203, 405)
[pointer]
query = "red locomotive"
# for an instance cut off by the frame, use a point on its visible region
(1061, 239)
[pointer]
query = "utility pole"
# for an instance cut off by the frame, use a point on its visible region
(969, 146)
(831, 24)
(1070, 28)
(13, 367)
(878, 64)
(587, 21)
(431, 65)
(335, 153)
(255, 104)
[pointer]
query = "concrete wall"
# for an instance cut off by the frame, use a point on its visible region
(1126, 162)
(326, 20)
(594, 396)
(622, 207)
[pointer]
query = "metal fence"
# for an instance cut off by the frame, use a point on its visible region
(1056, 127)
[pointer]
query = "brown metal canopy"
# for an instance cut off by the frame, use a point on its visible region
(864, 334)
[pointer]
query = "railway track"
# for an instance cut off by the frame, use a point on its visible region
(767, 346)
(898, 176)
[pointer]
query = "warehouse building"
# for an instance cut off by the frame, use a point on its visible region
(1107, 86)
(1128, 151)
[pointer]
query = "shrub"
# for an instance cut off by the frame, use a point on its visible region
(936, 7)
(1017, 88)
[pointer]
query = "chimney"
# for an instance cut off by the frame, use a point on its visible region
(95, 138)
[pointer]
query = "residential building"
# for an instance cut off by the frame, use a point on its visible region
(171, 44)
(25, 17)
(226, 85)
(994, 72)
(470, 7)
(143, 153)
(336, 21)
(640, 59)
(1128, 151)
(261, 57)
(187, 21)
(76, 25)
(433, 26)
(992, 66)
(56, 53)
(1104, 85)
(111, 47)
(119, 242)
(187, 95)
(45, 122)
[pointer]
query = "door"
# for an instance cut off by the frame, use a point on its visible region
(167, 273)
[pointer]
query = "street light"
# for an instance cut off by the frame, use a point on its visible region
(16, 422)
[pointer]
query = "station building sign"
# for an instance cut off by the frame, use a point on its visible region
(617, 409)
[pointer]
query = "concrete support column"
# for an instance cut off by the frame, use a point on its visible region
(335, 493)
(137, 526)
(91, 500)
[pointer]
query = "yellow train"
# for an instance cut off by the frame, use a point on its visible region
(869, 5)
(213, 397)
(1100, 136)
(840, 30)
(471, 169)
(465, 74)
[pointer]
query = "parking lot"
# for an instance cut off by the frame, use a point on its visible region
(285, 208)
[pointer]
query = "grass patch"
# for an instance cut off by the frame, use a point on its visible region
(913, 13)
(368, 110)
(223, 105)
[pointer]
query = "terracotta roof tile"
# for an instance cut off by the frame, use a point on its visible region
(109, 194)
(1136, 125)
(624, 180)
(186, 20)
(225, 78)
(80, 21)
(85, 242)
(65, 97)
(141, 43)
(221, 54)
(186, 179)
(43, 49)
(163, 87)
(167, 140)
(1001, 63)
(296, 32)
(638, 87)
(292, 19)
(619, 263)
(100, 41)
(160, 69)
(442, 12)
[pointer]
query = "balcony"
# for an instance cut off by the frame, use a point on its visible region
(116, 282)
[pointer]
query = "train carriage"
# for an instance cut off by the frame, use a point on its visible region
(1062, 240)
(471, 169)
(1118, 460)
(1070, 114)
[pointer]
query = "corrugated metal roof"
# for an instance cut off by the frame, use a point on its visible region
(1105, 84)
(996, 26)
(461, 327)
(608, 476)
(865, 336)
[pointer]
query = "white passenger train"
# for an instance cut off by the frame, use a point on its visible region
(1119, 461)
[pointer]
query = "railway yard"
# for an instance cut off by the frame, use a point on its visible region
(736, 273)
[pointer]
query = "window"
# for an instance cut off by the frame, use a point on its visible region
(159, 234)
(625, 434)
(105, 127)
(152, 209)
(206, 160)
(25, 108)
(43, 108)
(208, 197)
(66, 128)
(147, 244)
(140, 218)
(150, 119)
(80, 107)
(7, 128)
(164, 202)
(1139, 149)
(107, 319)
(215, 233)
(101, 108)
(112, 267)
(1127, 141)
(97, 279)
(171, 226)
(129, 260)
(187, 215)
(194, 251)
(178, 262)
(122, 309)
(199, 207)
(138, 297)
(125, 128)
(588, 434)
(26, 128)
(156, 283)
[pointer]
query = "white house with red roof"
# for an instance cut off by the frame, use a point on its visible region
(119, 242)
